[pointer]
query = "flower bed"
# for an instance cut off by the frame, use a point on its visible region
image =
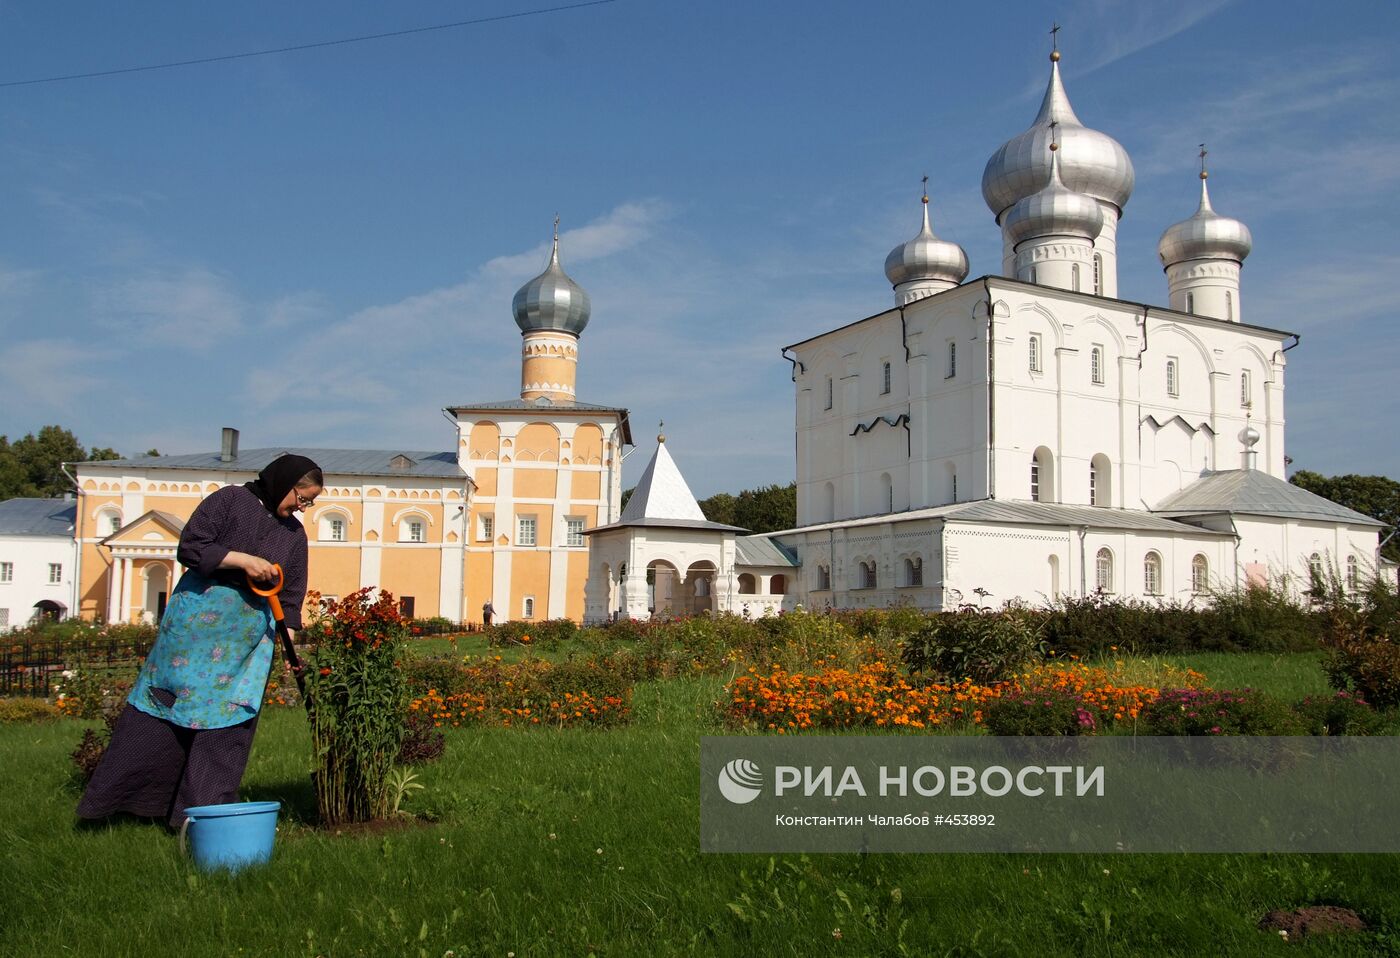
(533, 692)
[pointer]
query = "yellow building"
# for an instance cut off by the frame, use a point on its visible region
(499, 519)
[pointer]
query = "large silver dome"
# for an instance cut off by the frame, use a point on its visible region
(1091, 162)
(926, 257)
(1206, 235)
(552, 300)
(1054, 210)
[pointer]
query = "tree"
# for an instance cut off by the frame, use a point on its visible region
(766, 509)
(1375, 496)
(31, 467)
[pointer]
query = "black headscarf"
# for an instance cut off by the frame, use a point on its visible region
(279, 478)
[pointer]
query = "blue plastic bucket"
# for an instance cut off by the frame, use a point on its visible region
(230, 836)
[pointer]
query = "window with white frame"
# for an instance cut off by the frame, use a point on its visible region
(573, 528)
(414, 530)
(1173, 377)
(1246, 390)
(1152, 574)
(525, 530)
(7, 572)
(1315, 570)
(527, 610)
(952, 360)
(823, 578)
(1074, 274)
(1096, 365)
(1098, 274)
(830, 391)
(1103, 570)
(1035, 479)
(337, 529)
(887, 376)
(1200, 574)
(114, 522)
(55, 572)
(1034, 352)
(1191, 303)
(485, 528)
(1353, 574)
(1229, 306)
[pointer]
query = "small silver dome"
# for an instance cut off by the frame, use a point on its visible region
(1249, 435)
(1055, 210)
(1206, 235)
(552, 300)
(926, 257)
(1091, 162)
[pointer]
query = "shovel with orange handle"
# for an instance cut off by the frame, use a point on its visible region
(288, 650)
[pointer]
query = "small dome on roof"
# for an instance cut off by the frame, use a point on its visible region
(1206, 235)
(926, 257)
(1054, 210)
(552, 301)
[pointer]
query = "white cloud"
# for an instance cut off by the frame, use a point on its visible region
(43, 377)
(194, 309)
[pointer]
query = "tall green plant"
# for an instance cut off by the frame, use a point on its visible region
(358, 695)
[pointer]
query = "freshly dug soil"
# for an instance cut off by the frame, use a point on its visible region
(1313, 920)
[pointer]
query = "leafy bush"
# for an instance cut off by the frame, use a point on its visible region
(1218, 712)
(94, 745)
(422, 741)
(544, 634)
(1341, 714)
(531, 692)
(970, 644)
(27, 709)
(1038, 712)
(358, 696)
(1363, 655)
(443, 673)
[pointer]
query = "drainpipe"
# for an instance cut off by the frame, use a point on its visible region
(1381, 547)
(73, 608)
(1083, 572)
(991, 397)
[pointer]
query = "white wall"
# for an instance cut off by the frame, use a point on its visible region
(31, 556)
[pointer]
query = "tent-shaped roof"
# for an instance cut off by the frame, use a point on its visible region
(662, 498)
(1254, 493)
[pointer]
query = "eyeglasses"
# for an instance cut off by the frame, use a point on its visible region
(305, 503)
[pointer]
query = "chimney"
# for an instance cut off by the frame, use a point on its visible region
(228, 450)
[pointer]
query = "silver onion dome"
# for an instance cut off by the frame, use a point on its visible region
(552, 300)
(1091, 162)
(926, 257)
(1206, 235)
(1054, 210)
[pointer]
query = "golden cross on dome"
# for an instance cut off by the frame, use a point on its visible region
(925, 187)
(1054, 37)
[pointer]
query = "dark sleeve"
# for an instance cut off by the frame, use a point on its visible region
(294, 582)
(199, 546)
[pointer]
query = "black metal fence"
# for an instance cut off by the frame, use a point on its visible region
(29, 666)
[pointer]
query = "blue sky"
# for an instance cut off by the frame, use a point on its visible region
(320, 248)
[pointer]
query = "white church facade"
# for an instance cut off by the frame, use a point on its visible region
(1028, 436)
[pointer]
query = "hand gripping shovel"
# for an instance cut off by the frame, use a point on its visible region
(288, 650)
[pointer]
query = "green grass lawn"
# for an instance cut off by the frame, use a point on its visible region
(577, 842)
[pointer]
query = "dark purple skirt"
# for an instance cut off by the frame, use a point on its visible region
(156, 769)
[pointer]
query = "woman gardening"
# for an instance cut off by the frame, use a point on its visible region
(184, 737)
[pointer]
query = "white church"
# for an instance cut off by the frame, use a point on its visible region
(1017, 437)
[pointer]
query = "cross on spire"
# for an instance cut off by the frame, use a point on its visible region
(1203, 161)
(1054, 41)
(925, 187)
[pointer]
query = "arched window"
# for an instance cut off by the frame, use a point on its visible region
(1074, 277)
(823, 578)
(1246, 393)
(331, 526)
(1200, 574)
(914, 572)
(830, 392)
(1173, 377)
(952, 360)
(1152, 574)
(867, 574)
(1035, 479)
(109, 521)
(1098, 274)
(1191, 303)
(413, 528)
(1096, 365)
(1103, 570)
(748, 585)
(1034, 349)
(1229, 305)
(1054, 563)
(1042, 476)
(886, 492)
(1353, 575)
(885, 382)
(777, 585)
(1100, 481)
